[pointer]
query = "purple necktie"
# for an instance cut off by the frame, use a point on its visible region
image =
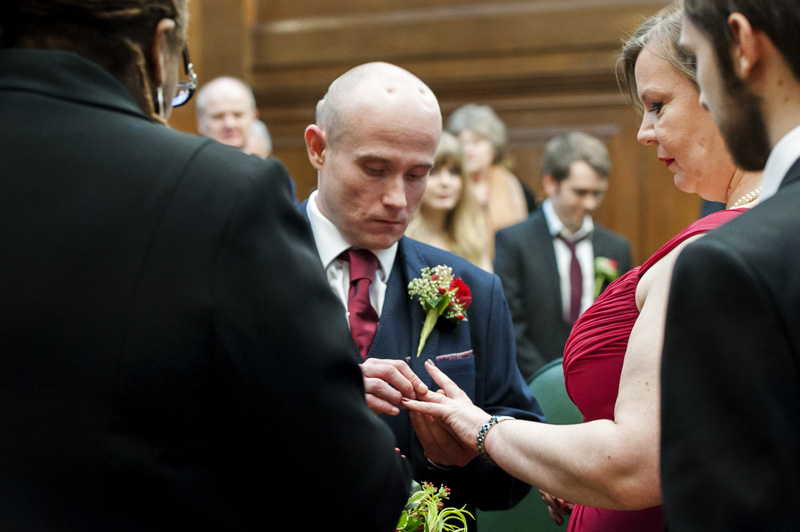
(363, 318)
(575, 281)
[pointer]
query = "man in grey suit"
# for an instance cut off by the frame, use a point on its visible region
(547, 262)
(731, 364)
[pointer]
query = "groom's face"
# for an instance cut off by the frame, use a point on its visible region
(374, 175)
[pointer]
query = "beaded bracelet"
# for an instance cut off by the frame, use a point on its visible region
(494, 420)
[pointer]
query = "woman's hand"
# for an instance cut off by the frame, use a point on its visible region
(558, 507)
(450, 405)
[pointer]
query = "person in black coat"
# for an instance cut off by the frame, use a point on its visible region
(730, 378)
(171, 356)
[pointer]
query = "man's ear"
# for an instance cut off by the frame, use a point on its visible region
(747, 48)
(550, 185)
(315, 145)
(159, 49)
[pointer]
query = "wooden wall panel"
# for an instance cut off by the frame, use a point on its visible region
(546, 66)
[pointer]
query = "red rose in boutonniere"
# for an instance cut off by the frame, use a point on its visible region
(440, 293)
(462, 294)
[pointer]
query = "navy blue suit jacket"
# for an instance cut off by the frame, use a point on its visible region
(478, 354)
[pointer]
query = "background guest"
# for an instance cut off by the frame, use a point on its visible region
(226, 111)
(448, 216)
(609, 465)
(547, 262)
(374, 141)
(731, 408)
(259, 142)
(485, 143)
(155, 320)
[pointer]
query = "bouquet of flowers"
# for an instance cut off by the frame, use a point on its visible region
(439, 293)
(425, 512)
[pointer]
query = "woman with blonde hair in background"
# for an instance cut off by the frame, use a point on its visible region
(448, 216)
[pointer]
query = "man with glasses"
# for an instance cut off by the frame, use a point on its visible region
(166, 338)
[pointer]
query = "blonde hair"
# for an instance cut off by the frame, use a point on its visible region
(661, 33)
(465, 227)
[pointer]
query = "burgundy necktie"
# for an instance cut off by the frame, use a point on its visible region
(363, 318)
(575, 281)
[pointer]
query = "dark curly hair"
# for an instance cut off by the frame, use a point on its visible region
(116, 34)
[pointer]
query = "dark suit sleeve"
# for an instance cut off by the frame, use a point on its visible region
(289, 389)
(508, 265)
(730, 442)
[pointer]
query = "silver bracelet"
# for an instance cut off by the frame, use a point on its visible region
(494, 420)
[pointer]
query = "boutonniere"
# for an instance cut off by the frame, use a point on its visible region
(605, 269)
(439, 293)
(425, 510)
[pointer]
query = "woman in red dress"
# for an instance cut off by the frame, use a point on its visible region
(608, 465)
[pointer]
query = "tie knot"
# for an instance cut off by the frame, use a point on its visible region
(571, 244)
(363, 264)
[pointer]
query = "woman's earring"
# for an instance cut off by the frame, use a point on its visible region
(159, 100)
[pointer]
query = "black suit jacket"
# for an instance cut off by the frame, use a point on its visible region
(477, 354)
(731, 374)
(525, 260)
(171, 358)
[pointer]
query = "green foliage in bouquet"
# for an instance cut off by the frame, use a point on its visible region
(425, 512)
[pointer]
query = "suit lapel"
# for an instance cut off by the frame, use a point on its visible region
(792, 175)
(547, 257)
(402, 318)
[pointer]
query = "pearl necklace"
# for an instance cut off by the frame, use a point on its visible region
(747, 198)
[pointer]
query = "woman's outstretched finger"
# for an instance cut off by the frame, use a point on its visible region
(450, 388)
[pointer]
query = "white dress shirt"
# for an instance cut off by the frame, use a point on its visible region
(783, 156)
(583, 250)
(330, 244)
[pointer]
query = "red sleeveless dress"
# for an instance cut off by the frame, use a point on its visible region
(592, 365)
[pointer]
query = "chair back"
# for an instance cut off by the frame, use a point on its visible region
(547, 385)
(531, 514)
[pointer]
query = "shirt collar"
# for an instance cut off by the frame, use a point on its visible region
(330, 242)
(783, 156)
(556, 226)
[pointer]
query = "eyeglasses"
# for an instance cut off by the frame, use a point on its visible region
(185, 89)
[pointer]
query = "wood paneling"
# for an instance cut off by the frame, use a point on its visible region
(546, 67)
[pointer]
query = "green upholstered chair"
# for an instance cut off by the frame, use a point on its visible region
(547, 385)
(531, 514)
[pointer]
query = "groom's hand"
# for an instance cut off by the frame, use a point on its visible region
(387, 382)
(440, 444)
